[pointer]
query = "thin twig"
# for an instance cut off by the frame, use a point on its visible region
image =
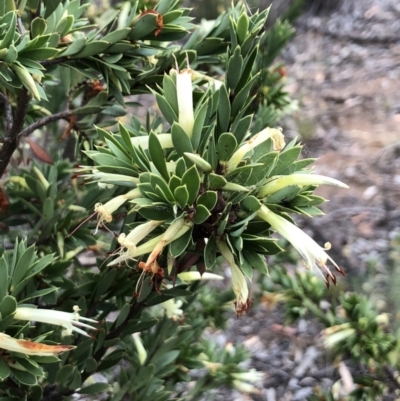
(8, 112)
(54, 61)
(62, 115)
(9, 146)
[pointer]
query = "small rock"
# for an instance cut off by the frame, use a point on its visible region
(308, 382)
(293, 384)
(370, 192)
(269, 394)
(303, 394)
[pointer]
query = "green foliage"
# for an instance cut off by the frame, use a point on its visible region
(353, 330)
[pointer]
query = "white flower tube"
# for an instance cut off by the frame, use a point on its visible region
(104, 212)
(239, 284)
(155, 244)
(173, 308)
(184, 92)
(142, 353)
(309, 250)
(176, 229)
(143, 141)
(267, 133)
(98, 176)
(137, 234)
(30, 347)
(299, 180)
(64, 319)
(195, 276)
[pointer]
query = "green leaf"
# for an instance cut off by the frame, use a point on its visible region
(224, 109)
(64, 374)
(39, 54)
(170, 93)
(286, 158)
(51, 6)
(163, 189)
(210, 252)
(257, 261)
(166, 109)
(144, 26)
(4, 370)
(217, 181)
(38, 27)
(180, 168)
(9, 36)
(65, 25)
(226, 146)
(48, 209)
(87, 110)
(180, 140)
(93, 48)
(241, 128)
(242, 27)
(157, 211)
(234, 72)
(174, 183)
(123, 315)
(250, 204)
(8, 306)
(117, 35)
(3, 278)
(177, 247)
(76, 46)
(242, 98)
(23, 264)
(134, 326)
(202, 214)
(208, 199)
(191, 179)
(24, 377)
(182, 196)
(94, 388)
(157, 155)
(198, 125)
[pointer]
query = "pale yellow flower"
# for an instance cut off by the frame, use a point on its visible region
(313, 254)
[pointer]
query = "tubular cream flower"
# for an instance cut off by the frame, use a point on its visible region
(176, 229)
(336, 334)
(309, 250)
(142, 353)
(173, 308)
(267, 133)
(195, 275)
(299, 180)
(143, 141)
(156, 244)
(67, 320)
(184, 93)
(137, 234)
(109, 178)
(30, 347)
(243, 381)
(104, 212)
(239, 285)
